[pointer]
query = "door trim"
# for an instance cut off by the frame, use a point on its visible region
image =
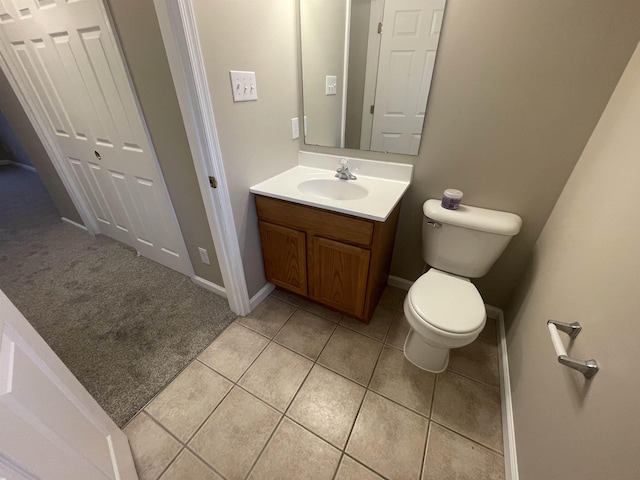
(179, 33)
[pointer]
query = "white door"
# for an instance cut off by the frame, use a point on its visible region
(67, 63)
(50, 427)
(410, 34)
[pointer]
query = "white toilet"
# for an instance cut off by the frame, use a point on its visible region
(443, 308)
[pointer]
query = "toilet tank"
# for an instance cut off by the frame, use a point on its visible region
(467, 241)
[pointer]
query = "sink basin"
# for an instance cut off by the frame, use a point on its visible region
(333, 189)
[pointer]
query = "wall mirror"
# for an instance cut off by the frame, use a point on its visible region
(366, 71)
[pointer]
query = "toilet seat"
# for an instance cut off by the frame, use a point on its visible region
(447, 303)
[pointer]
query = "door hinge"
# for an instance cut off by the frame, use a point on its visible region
(380, 27)
(373, 107)
(213, 182)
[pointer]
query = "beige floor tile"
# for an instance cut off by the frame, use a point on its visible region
(295, 453)
(189, 399)
(478, 360)
(469, 408)
(288, 297)
(388, 438)
(398, 331)
(268, 317)
(321, 311)
(235, 434)
(392, 297)
(233, 351)
(153, 449)
(188, 466)
(276, 375)
(398, 379)
(377, 328)
(453, 457)
(351, 354)
(327, 404)
(305, 333)
(349, 469)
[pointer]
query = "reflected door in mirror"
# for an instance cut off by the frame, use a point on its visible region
(382, 54)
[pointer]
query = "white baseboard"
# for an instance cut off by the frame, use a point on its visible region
(508, 428)
(398, 282)
(261, 295)
(16, 164)
(75, 224)
(212, 287)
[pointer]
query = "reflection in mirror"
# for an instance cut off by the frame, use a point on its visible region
(366, 71)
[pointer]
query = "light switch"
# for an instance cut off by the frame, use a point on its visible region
(243, 86)
(295, 128)
(331, 85)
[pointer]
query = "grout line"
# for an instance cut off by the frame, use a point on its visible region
(199, 457)
(173, 460)
(157, 422)
(255, 462)
(474, 379)
(426, 448)
(491, 449)
(482, 384)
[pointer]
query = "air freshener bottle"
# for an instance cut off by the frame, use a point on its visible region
(451, 199)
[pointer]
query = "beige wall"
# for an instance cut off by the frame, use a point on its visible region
(139, 32)
(323, 46)
(27, 136)
(518, 88)
(586, 269)
(255, 137)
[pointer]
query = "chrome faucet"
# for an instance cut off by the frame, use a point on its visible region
(343, 171)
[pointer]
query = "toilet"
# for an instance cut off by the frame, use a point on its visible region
(443, 308)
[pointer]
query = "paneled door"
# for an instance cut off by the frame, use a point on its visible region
(410, 35)
(50, 427)
(67, 63)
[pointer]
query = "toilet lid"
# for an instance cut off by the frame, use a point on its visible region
(447, 302)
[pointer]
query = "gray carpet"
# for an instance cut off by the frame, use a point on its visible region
(124, 325)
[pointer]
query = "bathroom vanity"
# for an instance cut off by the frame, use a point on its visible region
(331, 240)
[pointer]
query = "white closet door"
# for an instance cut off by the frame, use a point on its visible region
(66, 60)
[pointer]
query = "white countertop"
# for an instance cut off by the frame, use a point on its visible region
(386, 184)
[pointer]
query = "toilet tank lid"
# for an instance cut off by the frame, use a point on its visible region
(475, 218)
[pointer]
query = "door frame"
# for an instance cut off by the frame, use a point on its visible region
(179, 33)
(55, 154)
(371, 72)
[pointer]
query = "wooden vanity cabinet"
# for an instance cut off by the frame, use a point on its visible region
(338, 260)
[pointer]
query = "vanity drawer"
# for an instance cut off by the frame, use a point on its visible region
(335, 226)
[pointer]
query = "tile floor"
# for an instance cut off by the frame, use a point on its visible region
(295, 391)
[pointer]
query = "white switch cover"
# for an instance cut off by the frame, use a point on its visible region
(204, 255)
(243, 85)
(331, 85)
(295, 128)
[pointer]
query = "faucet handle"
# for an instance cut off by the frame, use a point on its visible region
(343, 162)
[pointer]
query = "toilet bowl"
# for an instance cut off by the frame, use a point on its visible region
(443, 308)
(444, 311)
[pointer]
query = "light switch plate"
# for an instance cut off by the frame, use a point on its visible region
(295, 128)
(243, 86)
(331, 85)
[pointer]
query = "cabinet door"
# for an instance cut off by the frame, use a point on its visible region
(284, 255)
(338, 274)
